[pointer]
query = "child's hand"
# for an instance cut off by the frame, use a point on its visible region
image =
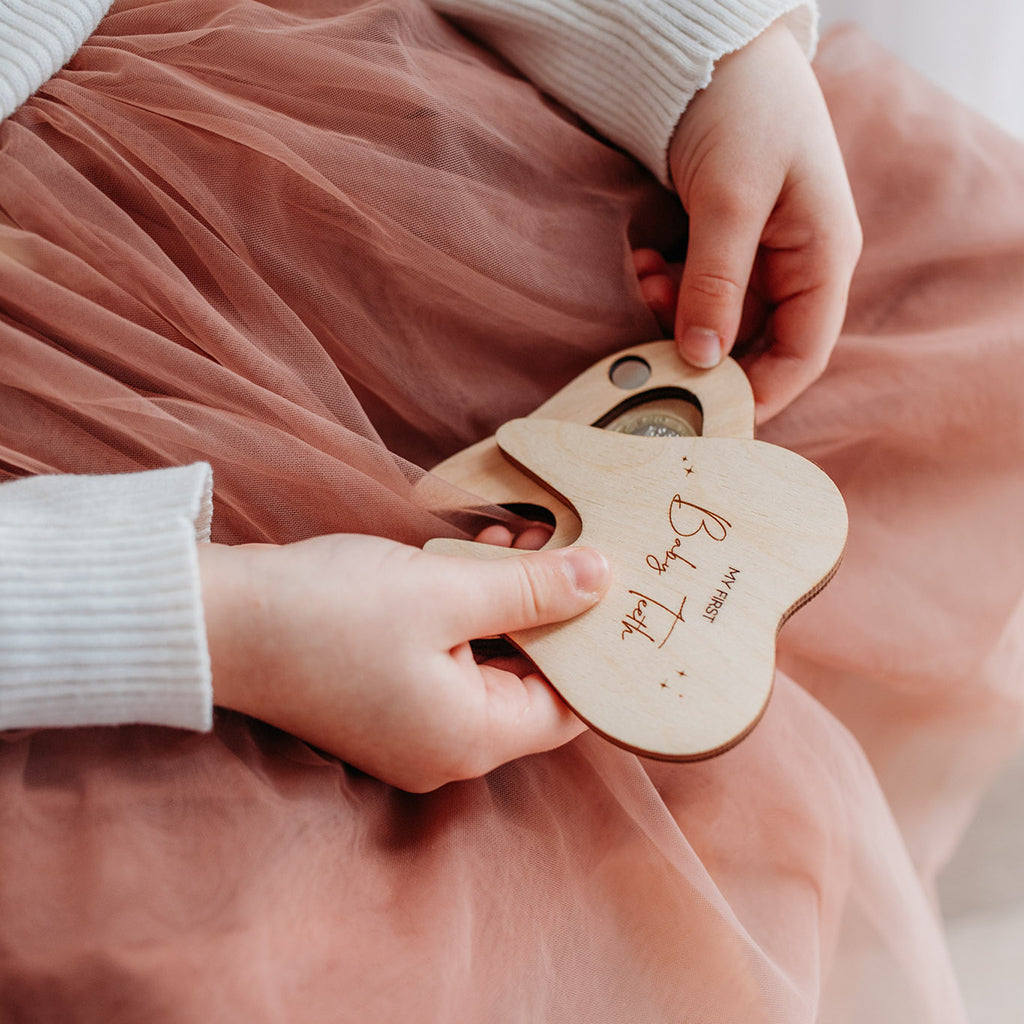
(774, 235)
(360, 646)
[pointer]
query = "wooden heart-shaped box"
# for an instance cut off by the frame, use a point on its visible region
(713, 539)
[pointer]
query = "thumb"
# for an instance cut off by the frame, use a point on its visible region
(720, 256)
(522, 591)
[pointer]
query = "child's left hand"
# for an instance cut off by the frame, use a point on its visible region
(774, 235)
(362, 647)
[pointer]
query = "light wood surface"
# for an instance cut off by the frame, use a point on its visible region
(713, 541)
(722, 395)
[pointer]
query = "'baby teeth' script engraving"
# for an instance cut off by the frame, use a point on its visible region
(690, 523)
(637, 620)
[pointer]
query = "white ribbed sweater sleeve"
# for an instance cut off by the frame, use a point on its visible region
(37, 38)
(629, 67)
(101, 618)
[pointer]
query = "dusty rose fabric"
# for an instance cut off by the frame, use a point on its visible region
(322, 248)
(274, 238)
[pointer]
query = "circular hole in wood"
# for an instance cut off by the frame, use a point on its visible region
(630, 372)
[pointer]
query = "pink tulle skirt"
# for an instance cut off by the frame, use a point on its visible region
(323, 245)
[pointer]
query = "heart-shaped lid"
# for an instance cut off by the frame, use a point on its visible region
(713, 543)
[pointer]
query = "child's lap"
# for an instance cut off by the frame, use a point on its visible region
(361, 203)
(290, 287)
(172, 872)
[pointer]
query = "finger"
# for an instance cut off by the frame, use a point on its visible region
(533, 538)
(809, 287)
(804, 330)
(754, 319)
(660, 292)
(723, 244)
(648, 261)
(497, 535)
(524, 716)
(519, 592)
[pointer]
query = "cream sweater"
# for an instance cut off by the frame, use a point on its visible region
(100, 607)
(101, 617)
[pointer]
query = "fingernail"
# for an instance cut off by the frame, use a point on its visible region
(701, 347)
(587, 568)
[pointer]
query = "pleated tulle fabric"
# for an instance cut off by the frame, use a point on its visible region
(324, 245)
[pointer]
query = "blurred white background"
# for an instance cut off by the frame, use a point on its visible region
(973, 49)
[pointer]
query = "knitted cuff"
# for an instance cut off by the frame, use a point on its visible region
(101, 619)
(37, 38)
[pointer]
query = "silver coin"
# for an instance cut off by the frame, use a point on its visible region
(652, 423)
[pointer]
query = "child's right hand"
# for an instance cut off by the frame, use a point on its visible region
(361, 646)
(774, 235)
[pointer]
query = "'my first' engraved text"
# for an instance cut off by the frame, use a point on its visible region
(718, 598)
